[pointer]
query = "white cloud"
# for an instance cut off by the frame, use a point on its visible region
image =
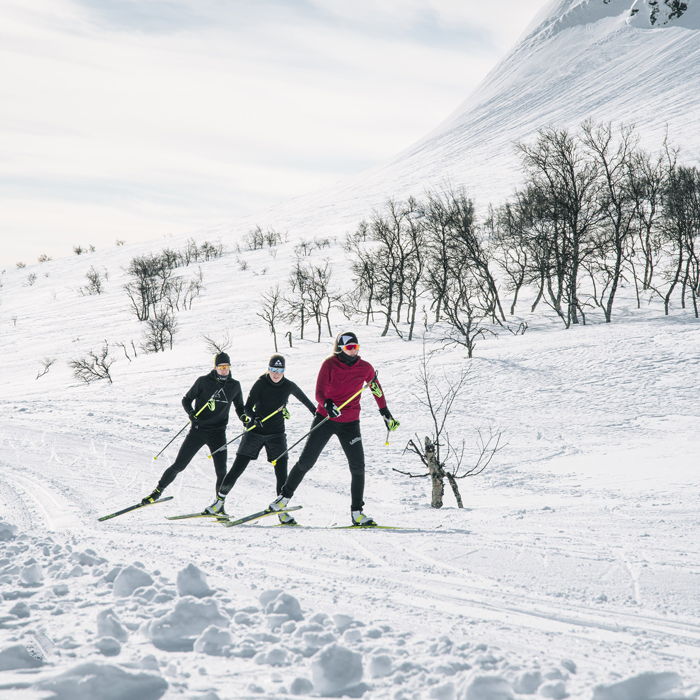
(177, 115)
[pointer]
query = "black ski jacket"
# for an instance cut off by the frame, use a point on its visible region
(220, 393)
(266, 396)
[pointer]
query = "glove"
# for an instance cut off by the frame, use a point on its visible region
(254, 422)
(331, 409)
(245, 419)
(390, 421)
(286, 414)
(376, 389)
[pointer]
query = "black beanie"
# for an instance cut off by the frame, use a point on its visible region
(222, 359)
(277, 361)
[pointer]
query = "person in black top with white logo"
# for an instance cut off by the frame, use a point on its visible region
(213, 395)
(270, 392)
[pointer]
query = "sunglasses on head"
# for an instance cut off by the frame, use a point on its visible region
(277, 370)
(351, 346)
(223, 366)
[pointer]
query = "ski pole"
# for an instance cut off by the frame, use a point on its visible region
(387, 437)
(186, 424)
(247, 430)
(274, 461)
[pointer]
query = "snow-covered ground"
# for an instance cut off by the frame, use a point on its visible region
(574, 568)
(575, 563)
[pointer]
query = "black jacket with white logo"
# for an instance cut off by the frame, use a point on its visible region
(219, 393)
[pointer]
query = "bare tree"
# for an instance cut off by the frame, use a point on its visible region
(218, 345)
(94, 285)
(93, 367)
(271, 310)
(436, 451)
(161, 328)
(682, 232)
(568, 182)
(46, 365)
(298, 304)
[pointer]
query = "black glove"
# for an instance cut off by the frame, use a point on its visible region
(194, 419)
(390, 421)
(331, 409)
(253, 422)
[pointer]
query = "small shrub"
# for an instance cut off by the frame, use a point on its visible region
(21, 265)
(44, 258)
(93, 367)
(94, 285)
(31, 278)
(46, 364)
(120, 242)
(78, 249)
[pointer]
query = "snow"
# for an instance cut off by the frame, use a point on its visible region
(336, 668)
(192, 581)
(572, 570)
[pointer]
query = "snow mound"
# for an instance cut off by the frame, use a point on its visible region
(555, 690)
(91, 681)
(17, 656)
(109, 625)
(444, 691)
(275, 656)
(213, 641)
(283, 604)
(7, 531)
(336, 668)
(645, 686)
(528, 682)
(489, 688)
(32, 574)
(108, 646)
(192, 581)
(380, 666)
(128, 580)
(178, 630)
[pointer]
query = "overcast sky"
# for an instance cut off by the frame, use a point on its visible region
(135, 119)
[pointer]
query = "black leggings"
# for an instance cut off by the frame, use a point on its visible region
(194, 441)
(239, 466)
(351, 442)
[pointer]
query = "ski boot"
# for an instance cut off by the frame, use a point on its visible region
(279, 503)
(287, 519)
(359, 519)
(152, 498)
(216, 508)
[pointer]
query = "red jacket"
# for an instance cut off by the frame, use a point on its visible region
(339, 382)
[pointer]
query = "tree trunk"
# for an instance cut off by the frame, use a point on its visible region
(455, 489)
(437, 475)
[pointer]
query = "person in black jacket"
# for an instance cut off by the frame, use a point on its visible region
(270, 392)
(213, 394)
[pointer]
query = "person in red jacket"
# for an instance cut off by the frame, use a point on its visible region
(341, 376)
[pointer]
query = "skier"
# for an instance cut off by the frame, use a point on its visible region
(341, 375)
(216, 392)
(270, 392)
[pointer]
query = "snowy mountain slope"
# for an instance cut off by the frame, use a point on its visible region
(579, 59)
(573, 570)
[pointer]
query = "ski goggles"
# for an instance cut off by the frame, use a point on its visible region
(351, 346)
(276, 370)
(223, 366)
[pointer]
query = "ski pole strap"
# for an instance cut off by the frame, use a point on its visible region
(247, 430)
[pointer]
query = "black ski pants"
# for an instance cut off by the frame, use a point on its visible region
(195, 440)
(249, 449)
(351, 442)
